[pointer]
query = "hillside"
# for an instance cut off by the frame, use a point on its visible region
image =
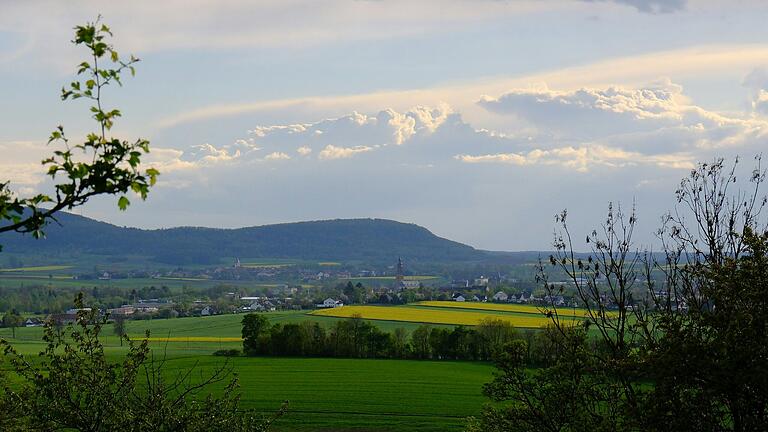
(368, 240)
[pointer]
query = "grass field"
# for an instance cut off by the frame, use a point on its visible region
(15, 280)
(343, 394)
(218, 329)
(48, 268)
(324, 394)
(434, 315)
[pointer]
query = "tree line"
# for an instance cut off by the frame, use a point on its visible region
(357, 338)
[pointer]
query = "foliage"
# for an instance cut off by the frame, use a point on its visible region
(357, 338)
(99, 165)
(73, 385)
(12, 319)
(686, 353)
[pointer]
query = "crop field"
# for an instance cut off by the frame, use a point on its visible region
(219, 330)
(328, 394)
(48, 268)
(503, 307)
(434, 315)
(325, 394)
(15, 280)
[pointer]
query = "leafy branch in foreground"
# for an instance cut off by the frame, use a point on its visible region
(99, 165)
(679, 339)
(74, 384)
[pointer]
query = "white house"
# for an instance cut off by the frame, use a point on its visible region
(208, 311)
(330, 303)
(459, 297)
(500, 296)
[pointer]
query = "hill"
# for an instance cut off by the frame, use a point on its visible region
(367, 240)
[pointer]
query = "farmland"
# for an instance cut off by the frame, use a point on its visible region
(324, 393)
(503, 307)
(436, 315)
(330, 393)
(47, 268)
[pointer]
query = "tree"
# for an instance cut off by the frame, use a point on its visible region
(73, 385)
(681, 336)
(255, 328)
(420, 340)
(99, 165)
(118, 326)
(12, 319)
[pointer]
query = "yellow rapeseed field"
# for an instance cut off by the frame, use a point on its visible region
(504, 307)
(432, 316)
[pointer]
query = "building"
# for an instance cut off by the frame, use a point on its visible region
(330, 303)
(399, 276)
(122, 310)
(500, 296)
(208, 311)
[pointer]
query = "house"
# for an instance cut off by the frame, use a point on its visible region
(500, 296)
(208, 311)
(410, 283)
(122, 310)
(482, 281)
(523, 298)
(554, 300)
(151, 305)
(33, 322)
(459, 297)
(330, 303)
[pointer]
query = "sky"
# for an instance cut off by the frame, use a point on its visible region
(478, 119)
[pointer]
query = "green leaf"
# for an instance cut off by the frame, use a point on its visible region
(123, 203)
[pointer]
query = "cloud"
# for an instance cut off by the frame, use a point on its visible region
(277, 156)
(651, 119)
(333, 152)
(757, 82)
(649, 6)
(585, 157)
(238, 24)
(385, 128)
(695, 62)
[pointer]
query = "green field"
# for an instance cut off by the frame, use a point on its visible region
(349, 394)
(219, 326)
(48, 268)
(324, 394)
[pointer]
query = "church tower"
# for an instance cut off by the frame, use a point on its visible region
(399, 277)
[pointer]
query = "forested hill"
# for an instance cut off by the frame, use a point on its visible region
(368, 240)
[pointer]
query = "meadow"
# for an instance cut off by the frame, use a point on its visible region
(330, 394)
(325, 394)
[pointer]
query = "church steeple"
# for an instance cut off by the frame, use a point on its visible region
(399, 277)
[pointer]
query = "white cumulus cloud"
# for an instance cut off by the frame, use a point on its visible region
(333, 152)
